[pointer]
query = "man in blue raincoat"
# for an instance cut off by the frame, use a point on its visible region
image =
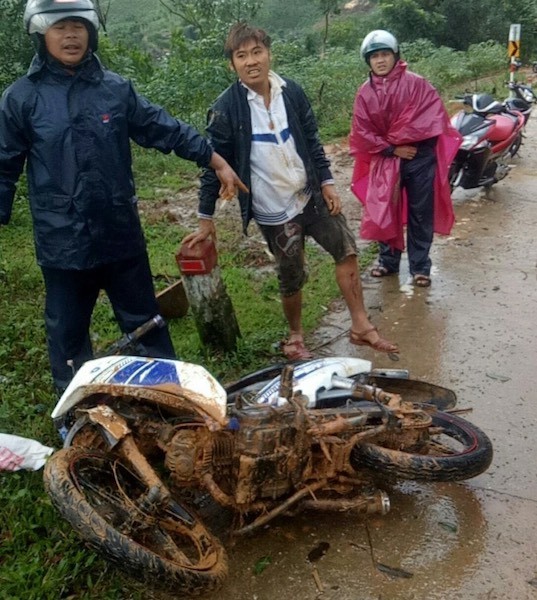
(71, 121)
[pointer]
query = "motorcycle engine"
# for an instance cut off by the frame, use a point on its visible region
(181, 454)
(271, 457)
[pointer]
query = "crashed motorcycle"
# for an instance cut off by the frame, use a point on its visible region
(492, 135)
(152, 447)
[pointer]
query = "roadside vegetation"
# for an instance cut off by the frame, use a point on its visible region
(172, 51)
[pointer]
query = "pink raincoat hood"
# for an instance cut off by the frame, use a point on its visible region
(401, 108)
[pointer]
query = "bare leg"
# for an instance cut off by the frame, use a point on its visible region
(294, 346)
(350, 284)
(292, 309)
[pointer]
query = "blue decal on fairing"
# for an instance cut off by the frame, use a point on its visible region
(140, 372)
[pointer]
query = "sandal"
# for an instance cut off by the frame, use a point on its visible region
(295, 350)
(422, 280)
(380, 271)
(381, 345)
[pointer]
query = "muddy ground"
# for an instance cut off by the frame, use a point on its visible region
(473, 331)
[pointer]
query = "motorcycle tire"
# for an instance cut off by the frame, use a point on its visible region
(469, 454)
(96, 493)
(515, 146)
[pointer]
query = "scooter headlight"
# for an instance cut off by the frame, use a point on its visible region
(472, 141)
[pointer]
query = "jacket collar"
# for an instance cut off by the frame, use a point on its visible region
(398, 70)
(89, 69)
(277, 83)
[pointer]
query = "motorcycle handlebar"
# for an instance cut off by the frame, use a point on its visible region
(128, 339)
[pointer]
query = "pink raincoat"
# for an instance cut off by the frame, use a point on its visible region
(400, 109)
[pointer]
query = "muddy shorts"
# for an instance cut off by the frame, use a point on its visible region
(286, 242)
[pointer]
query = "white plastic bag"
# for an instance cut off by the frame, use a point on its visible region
(22, 453)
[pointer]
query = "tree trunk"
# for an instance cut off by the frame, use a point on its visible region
(213, 311)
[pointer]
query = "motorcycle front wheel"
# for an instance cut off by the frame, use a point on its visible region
(109, 507)
(453, 449)
(515, 146)
(455, 174)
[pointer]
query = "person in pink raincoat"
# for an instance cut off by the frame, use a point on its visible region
(403, 143)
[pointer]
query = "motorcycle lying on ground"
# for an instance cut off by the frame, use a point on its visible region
(492, 135)
(152, 446)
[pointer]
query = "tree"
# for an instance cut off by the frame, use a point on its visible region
(328, 8)
(103, 8)
(16, 46)
(410, 20)
(205, 17)
(453, 23)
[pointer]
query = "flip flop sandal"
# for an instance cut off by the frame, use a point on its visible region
(381, 345)
(380, 271)
(422, 281)
(295, 350)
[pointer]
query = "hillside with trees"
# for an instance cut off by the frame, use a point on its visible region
(172, 49)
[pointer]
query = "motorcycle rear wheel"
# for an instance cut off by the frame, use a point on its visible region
(456, 450)
(97, 494)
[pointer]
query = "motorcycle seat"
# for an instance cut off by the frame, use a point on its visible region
(517, 104)
(485, 104)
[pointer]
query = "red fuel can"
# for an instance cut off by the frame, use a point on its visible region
(198, 260)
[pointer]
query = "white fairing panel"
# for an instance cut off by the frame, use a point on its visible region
(312, 376)
(143, 372)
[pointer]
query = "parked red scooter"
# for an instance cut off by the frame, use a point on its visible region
(492, 135)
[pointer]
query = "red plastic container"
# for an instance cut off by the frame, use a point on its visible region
(199, 260)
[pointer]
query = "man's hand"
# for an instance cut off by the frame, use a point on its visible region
(332, 199)
(228, 178)
(406, 152)
(206, 228)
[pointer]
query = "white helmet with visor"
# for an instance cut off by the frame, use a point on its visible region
(39, 15)
(376, 40)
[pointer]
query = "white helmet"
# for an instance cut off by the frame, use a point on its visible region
(379, 39)
(39, 15)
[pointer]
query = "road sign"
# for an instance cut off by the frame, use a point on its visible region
(513, 49)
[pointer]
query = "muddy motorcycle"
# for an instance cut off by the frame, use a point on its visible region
(492, 135)
(152, 446)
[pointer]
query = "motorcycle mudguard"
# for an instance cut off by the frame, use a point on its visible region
(142, 372)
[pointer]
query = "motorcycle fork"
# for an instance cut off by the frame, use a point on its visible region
(118, 436)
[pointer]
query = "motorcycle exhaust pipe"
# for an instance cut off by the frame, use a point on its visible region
(378, 503)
